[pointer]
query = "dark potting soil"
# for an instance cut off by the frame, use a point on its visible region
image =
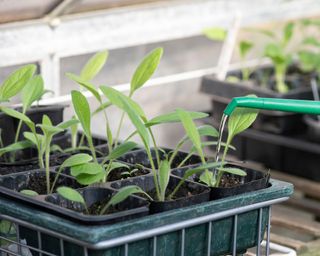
(95, 209)
(38, 183)
(55, 159)
(121, 173)
(184, 191)
(228, 181)
(265, 77)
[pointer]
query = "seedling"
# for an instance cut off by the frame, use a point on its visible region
(281, 58)
(120, 196)
(14, 83)
(143, 128)
(32, 92)
(92, 172)
(89, 71)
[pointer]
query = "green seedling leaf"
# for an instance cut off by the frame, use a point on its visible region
(117, 98)
(94, 65)
(16, 81)
(240, 120)
(208, 130)
(217, 34)
(102, 107)
(66, 124)
(32, 137)
(233, 79)
(288, 32)
(16, 146)
(244, 48)
(275, 53)
(232, 170)
(164, 176)
(114, 166)
(191, 130)
(201, 168)
(208, 178)
(84, 83)
(82, 109)
(311, 41)
(86, 168)
(117, 165)
(28, 192)
(145, 69)
(71, 194)
(77, 159)
(309, 61)
(122, 195)
(173, 117)
(20, 116)
(32, 92)
(88, 179)
(56, 148)
(50, 130)
(135, 119)
(121, 150)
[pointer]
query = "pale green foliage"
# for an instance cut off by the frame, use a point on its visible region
(16, 81)
(94, 65)
(215, 33)
(145, 69)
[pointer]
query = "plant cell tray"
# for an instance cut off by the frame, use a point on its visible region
(219, 227)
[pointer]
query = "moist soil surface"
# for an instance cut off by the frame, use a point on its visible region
(38, 183)
(122, 173)
(228, 181)
(24, 165)
(184, 191)
(295, 78)
(95, 209)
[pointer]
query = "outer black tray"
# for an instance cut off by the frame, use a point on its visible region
(291, 154)
(221, 93)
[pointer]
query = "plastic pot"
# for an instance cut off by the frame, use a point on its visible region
(141, 157)
(7, 129)
(34, 180)
(313, 127)
(132, 207)
(296, 155)
(200, 193)
(277, 122)
(255, 180)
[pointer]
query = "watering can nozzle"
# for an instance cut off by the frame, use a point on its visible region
(286, 105)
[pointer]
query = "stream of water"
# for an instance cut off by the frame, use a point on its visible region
(221, 129)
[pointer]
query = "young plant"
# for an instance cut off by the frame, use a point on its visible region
(143, 127)
(32, 92)
(96, 171)
(74, 196)
(281, 58)
(14, 83)
(88, 72)
(244, 49)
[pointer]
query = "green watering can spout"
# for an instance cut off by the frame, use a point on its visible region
(286, 105)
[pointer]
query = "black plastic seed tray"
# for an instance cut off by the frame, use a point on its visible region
(10, 185)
